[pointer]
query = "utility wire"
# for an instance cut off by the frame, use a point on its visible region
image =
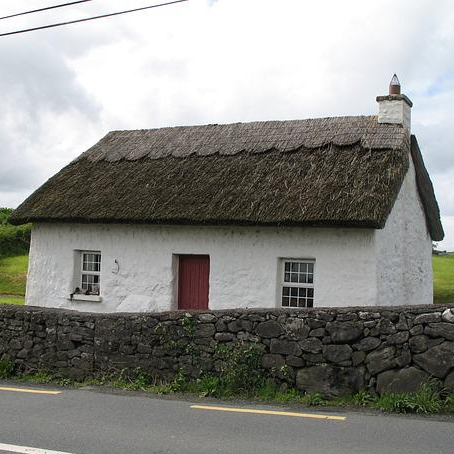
(44, 9)
(91, 18)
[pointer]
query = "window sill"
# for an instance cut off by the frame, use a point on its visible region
(90, 298)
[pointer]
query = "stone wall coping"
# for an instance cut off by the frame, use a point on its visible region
(409, 309)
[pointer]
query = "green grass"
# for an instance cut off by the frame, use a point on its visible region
(443, 267)
(13, 275)
(13, 300)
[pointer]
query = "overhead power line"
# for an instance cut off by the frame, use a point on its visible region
(45, 9)
(91, 18)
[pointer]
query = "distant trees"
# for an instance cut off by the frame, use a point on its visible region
(5, 213)
(14, 240)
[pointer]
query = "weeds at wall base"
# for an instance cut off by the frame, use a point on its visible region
(6, 369)
(427, 400)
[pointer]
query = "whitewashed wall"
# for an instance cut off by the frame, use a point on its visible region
(244, 264)
(404, 250)
(353, 267)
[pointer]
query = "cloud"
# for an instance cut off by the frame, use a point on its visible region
(223, 61)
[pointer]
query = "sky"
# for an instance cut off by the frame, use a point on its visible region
(218, 61)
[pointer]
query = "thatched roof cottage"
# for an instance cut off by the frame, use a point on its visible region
(320, 212)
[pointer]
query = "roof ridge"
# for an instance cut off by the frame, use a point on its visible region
(253, 137)
(244, 123)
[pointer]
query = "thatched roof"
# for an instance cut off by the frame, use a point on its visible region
(344, 171)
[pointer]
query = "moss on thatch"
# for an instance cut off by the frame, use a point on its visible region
(338, 171)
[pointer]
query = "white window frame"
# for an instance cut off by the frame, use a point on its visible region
(92, 273)
(304, 285)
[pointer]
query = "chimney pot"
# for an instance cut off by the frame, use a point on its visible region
(394, 86)
(395, 108)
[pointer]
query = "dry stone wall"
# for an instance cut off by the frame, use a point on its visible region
(331, 351)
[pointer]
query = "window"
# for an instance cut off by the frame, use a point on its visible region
(91, 271)
(297, 283)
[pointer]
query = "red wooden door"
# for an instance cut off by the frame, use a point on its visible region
(193, 275)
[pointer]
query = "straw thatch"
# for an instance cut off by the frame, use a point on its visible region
(426, 193)
(333, 171)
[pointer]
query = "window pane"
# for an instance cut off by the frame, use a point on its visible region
(310, 278)
(310, 292)
(287, 266)
(286, 277)
(295, 267)
(293, 277)
(97, 264)
(91, 262)
(90, 282)
(303, 278)
(310, 267)
(88, 266)
(294, 292)
(310, 302)
(285, 291)
(285, 302)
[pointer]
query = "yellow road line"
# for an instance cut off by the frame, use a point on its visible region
(28, 390)
(269, 412)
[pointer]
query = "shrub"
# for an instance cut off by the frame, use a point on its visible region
(14, 240)
(240, 369)
(6, 368)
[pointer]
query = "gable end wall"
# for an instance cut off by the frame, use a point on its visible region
(403, 250)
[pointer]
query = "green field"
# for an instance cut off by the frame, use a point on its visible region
(13, 274)
(443, 278)
(12, 300)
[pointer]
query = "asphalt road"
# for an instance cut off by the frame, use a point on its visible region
(96, 422)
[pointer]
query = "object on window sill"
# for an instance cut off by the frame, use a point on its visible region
(86, 294)
(82, 297)
(90, 291)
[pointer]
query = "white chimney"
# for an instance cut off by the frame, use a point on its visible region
(395, 107)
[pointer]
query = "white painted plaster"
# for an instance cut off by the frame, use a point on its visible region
(404, 250)
(353, 267)
(395, 111)
(244, 264)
